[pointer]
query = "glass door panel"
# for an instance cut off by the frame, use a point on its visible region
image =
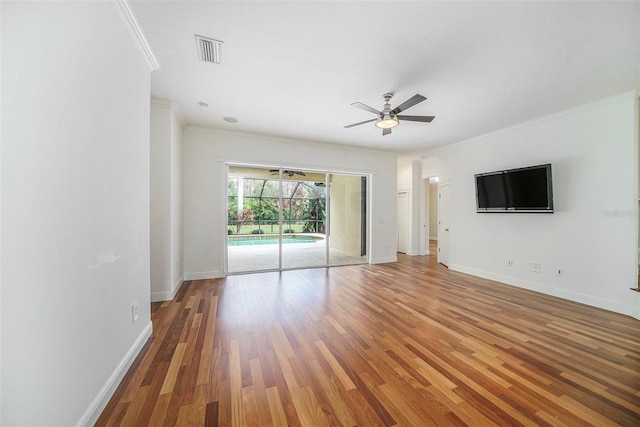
(253, 227)
(303, 219)
(347, 219)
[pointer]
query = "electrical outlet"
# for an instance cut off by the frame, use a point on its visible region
(134, 312)
(535, 267)
(559, 271)
(509, 263)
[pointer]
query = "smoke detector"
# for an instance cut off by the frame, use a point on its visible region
(208, 49)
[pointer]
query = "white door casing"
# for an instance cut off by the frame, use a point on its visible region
(443, 224)
(403, 221)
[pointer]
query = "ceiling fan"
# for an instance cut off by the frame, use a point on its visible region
(286, 172)
(388, 118)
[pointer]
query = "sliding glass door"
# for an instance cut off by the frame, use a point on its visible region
(283, 218)
(304, 240)
(253, 226)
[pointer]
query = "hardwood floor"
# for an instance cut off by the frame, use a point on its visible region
(409, 343)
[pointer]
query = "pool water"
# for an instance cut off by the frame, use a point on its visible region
(260, 240)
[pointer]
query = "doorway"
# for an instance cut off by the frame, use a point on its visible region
(286, 218)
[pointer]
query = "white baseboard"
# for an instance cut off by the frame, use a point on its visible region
(384, 260)
(616, 307)
(94, 410)
(418, 253)
(203, 275)
(167, 295)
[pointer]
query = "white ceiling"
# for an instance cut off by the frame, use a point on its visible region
(292, 69)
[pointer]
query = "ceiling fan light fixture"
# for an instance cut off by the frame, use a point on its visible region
(389, 118)
(387, 121)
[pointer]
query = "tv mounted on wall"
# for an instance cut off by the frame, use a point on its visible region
(527, 189)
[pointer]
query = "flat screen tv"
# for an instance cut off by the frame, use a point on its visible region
(527, 189)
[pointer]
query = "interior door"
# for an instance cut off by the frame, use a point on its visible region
(443, 224)
(403, 221)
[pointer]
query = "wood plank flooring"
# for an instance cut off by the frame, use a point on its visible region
(408, 343)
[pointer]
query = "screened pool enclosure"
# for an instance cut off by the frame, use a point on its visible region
(284, 218)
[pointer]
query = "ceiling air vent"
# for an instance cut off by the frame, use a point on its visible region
(208, 49)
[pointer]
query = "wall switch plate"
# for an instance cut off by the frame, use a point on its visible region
(535, 267)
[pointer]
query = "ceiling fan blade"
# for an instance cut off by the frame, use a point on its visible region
(366, 107)
(426, 119)
(361, 123)
(386, 131)
(408, 103)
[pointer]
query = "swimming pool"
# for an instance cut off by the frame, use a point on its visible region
(271, 240)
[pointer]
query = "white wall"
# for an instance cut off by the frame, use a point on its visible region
(166, 200)
(160, 199)
(75, 208)
(409, 180)
(205, 154)
(346, 213)
(177, 235)
(1, 380)
(417, 210)
(592, 235)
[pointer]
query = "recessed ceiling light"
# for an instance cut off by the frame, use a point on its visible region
(203, 104)
(230, 119)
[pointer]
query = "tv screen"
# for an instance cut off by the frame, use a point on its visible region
(515, 190)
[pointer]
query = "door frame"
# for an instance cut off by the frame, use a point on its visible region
(224, 208)
(444, 228)
(406, 220)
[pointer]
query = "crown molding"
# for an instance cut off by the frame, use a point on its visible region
(129, 19)
(350, 148)
(170, 105)
(631, 94)
(161, 102)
